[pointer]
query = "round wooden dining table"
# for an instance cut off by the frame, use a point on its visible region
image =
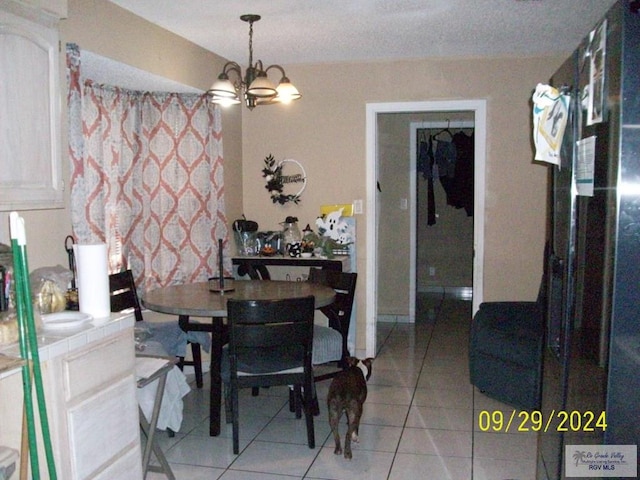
(198, 300)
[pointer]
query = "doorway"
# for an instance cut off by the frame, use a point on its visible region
(442, 158)
(478, 109)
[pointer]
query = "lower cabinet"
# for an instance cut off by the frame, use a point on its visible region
(92, 410)
(97, 409)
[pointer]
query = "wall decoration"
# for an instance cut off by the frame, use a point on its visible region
(336, 231)
(550, 114)
(284, 175)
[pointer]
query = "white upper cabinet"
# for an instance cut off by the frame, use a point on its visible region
(30, 150)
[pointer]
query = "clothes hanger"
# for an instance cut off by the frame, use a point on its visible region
(444, 130)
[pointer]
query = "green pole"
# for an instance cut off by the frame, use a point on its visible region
(32, 337)
(24, 352)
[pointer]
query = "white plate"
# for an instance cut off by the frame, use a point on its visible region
(66, 319)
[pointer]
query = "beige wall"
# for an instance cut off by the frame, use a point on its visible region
(112, 32)
(393, 238)
(325, 130)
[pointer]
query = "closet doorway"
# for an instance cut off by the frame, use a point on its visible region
(378, 226)
(443, 158)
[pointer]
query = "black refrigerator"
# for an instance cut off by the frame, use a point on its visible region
(592, 355)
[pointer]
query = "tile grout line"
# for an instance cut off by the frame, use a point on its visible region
(404, 426)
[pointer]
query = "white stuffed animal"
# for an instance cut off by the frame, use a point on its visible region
(344, 238)
(332, 226)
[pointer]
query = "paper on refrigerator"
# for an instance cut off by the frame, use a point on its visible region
(585, 166)
(550, 113)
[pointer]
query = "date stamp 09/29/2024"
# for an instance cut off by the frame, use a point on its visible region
(537, 421)
(580, 460)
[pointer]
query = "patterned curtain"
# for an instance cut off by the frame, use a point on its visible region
(147, 179)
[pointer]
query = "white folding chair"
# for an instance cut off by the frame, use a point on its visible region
(148, 370)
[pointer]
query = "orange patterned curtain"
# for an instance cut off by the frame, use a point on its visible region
(146, 178)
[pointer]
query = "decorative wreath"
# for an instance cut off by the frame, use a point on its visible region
(272, 173)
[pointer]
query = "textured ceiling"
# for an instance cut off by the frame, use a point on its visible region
(308, 31)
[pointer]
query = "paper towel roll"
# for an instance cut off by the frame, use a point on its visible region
(93, 279)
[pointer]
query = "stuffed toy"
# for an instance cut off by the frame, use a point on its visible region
(333, 226)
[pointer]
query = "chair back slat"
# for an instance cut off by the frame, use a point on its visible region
(271, 323)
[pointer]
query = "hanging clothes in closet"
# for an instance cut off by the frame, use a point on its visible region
(462, 191)
(450, 158)
(425, 163)
(446, 157)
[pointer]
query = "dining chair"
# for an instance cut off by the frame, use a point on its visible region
(196, 353)
(158, 340)
(193, 329)
(270, 343)
(124, 295)
(330, 343)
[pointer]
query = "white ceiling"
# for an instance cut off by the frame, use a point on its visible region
(312, 31)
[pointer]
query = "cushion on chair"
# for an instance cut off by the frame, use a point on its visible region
(327, 345)
(261, 362)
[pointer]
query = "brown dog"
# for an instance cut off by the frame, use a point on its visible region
(347, 393)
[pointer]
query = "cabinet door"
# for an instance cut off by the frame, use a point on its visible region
(103, 429)
(30, 170)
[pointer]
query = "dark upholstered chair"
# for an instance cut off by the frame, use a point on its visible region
(505, 351)
(270, 343)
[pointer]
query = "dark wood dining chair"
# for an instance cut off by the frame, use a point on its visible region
(187, 325)
(328, 346)
(270, 343)
(124, 295)
(196, 350)
(330, 343)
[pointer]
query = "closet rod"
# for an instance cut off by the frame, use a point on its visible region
(445, 124)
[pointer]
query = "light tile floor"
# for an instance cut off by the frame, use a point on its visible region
(420, 419)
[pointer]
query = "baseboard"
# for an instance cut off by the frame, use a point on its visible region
(462, 293)
(393, 318)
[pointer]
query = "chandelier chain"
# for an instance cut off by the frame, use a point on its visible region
(251, 44)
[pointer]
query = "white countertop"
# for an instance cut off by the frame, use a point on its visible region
(54, 343)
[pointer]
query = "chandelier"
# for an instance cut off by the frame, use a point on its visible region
(254, 85)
